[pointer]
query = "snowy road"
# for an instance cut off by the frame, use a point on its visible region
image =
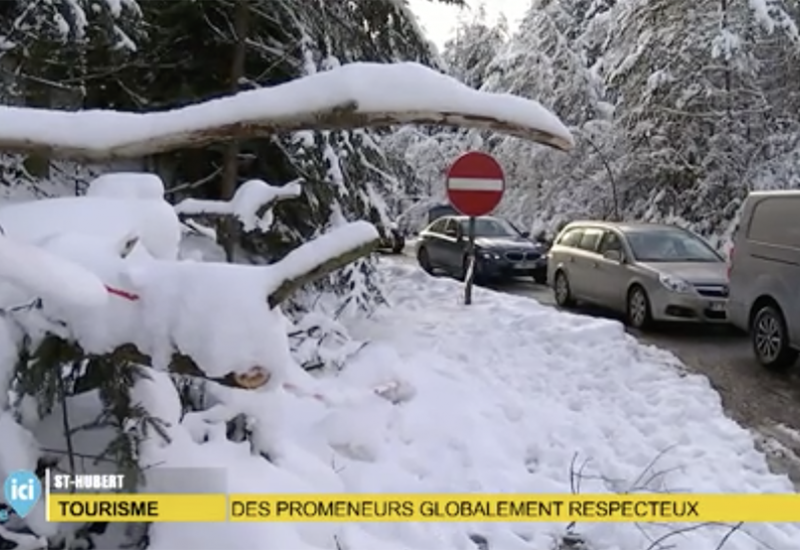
(752, 396)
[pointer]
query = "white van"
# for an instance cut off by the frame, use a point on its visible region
(764, 276)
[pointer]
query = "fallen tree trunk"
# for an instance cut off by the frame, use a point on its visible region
(350, 102)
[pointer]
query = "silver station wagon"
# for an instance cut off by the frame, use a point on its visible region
(649, 272)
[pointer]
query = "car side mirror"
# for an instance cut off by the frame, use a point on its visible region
(613, 255)
(526, 234)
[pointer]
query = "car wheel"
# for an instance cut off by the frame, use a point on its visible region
(424, 260)
(771, 340)
(638, 311)
(540, 276)
(562, 291)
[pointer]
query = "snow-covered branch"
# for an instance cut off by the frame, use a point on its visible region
(113, 288)
(206, 320)
(251, 204)
(55, 346)
(350, 96)
(320, 257)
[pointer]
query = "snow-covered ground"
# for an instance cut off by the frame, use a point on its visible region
(517, 390)
(502, 396)
(505, 395)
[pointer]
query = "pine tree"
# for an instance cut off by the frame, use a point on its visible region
(476, 43)
(691, 107)
(547, 59)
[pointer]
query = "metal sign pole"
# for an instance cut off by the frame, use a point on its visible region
(470, 275)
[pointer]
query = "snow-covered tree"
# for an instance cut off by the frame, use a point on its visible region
(96, 288)
(425, 153)
(678, 108)
(54, 54)
(475, 44)
(548, 59)
(52, 48)
(691, 106)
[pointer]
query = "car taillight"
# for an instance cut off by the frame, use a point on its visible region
(730, 261)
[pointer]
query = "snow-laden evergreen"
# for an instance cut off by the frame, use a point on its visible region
(678, 109)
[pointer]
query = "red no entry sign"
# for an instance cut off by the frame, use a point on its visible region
(475, 184)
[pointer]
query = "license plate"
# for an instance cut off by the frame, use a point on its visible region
(526, 265)
(716, 306)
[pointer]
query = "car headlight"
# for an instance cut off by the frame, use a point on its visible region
(674, 284)
(486, 255)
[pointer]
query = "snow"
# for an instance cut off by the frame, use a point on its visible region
(127, 185)
(154, 222)
(247, 203)
(369, 89)
(127, 240)
(335, 243)
(47, 275)
(171, 307)
(500, 396)
(497, 397)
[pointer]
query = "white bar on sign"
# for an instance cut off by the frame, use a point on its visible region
(475, 184)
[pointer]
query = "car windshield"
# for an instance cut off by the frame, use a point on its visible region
(490, 227)
(670, 246)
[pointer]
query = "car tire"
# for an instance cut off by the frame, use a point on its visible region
(637, 312)
(540, 276)
(424, 260)
(562, 290)
(770, 339)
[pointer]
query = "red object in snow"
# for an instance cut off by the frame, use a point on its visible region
(122, 293)
(475, 184)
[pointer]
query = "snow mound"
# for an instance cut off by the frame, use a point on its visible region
(127, 185)
(47, 275)
(153, 221)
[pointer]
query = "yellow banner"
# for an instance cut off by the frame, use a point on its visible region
(668, 508)
(136, 507)
(540, 508)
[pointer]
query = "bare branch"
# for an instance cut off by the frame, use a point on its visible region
(194, 184)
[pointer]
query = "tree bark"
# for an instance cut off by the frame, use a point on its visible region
(289, 286)
(230, 172)
(167, 132)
